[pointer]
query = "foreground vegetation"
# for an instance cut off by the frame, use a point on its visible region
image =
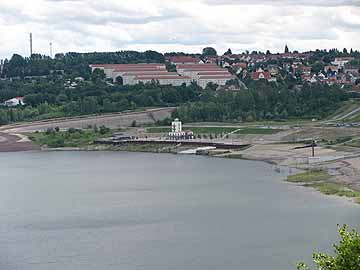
(308, 176)
(318, 179)
(54, 138)
(346, 253)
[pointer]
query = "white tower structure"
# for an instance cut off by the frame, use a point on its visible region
(176, 126)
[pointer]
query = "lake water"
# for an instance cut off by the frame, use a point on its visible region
(110, 210)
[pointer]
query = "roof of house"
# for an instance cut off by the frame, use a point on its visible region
(187, 66)
(215, 77)
(112, 66)
(256, 75)
(241, 65)
(133, 69)
(213, 73)
(183, 59)
(150, 73)
(162, 77)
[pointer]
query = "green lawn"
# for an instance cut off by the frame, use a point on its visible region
(308, 177)
(158, 130)
(263, 131)
(335, 189)
(317, 179)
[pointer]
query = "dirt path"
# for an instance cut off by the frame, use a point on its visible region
(14, 143)
(113, 121)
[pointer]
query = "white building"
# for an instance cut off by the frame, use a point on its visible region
(14, 102)
(205, 73)
(216, 79)
(114, 70)
(341, 61)
(176, 126)
(177, 133)
(164, 80)
(132, 74)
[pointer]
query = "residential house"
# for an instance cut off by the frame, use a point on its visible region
(341, 61)
(14, 102)
(260, 74)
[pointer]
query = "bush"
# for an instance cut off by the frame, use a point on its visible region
(50, 131)
(104, 130)
(57, 142)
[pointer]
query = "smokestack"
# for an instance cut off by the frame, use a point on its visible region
(31, 45)
(51, 53)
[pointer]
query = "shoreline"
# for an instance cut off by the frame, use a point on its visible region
(297, 170)
(281, 158)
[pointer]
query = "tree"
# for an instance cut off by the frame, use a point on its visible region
(347, 253)
(209, 51)
(228, 52)
(98, 75)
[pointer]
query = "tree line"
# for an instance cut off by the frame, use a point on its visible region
(264, 101)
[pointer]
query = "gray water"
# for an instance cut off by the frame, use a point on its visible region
(97, 211)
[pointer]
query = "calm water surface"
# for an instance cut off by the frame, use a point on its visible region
(97, 211)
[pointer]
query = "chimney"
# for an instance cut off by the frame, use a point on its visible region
(31, 45)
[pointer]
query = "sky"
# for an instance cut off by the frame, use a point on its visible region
(177, 25)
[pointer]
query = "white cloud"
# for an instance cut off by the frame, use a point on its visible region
(182, 25)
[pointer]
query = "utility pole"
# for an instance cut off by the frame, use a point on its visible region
(313, 148)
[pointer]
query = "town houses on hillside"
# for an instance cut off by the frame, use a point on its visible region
(185, 69)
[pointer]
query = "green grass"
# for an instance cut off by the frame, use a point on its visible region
(318, 179)
(79, 138)
(158, 130)
(354, 143)
(308, 177)
(264, 131)
(335, 189)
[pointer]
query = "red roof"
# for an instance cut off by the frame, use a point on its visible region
(257, 75)
(225, 72)
(150, 73)
(161, 77)
(134, 69)
(108, 66)
(187, 66)
(241, 65)
(216, 77)
(183, 59)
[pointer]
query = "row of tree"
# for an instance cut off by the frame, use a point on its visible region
(262, 101)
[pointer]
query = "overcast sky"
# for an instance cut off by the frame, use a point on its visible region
(177, 25)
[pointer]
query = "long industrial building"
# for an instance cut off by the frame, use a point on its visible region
(132, 74)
